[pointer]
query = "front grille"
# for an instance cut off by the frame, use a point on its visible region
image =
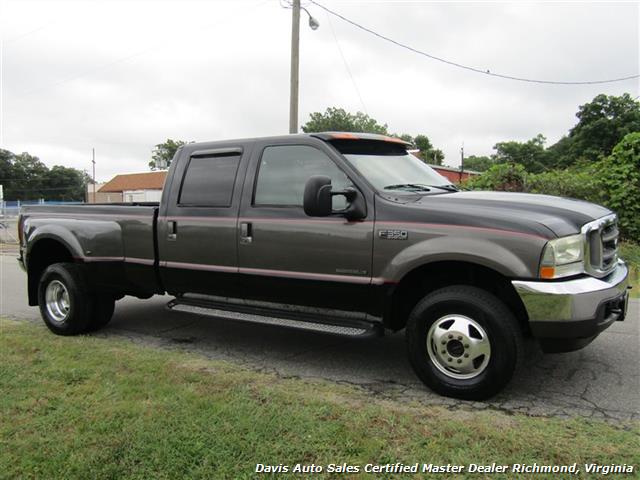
(601, 252)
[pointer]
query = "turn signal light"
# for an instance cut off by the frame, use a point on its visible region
(547, 272)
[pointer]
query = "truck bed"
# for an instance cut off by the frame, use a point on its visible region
(117, 240)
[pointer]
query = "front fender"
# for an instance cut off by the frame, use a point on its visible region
(484, 252)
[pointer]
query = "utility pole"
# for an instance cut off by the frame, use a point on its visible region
(461, 161)
(93, 161)
(295, 65)
(87, 195)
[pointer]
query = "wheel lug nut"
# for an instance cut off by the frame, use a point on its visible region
(459, 337)
(444, 342)
(466, 345)
(450, 336)
(466, 355)
(444, 351)
(449, 359)
(459, 361)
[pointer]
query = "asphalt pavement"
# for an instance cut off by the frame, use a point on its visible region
(601, 381)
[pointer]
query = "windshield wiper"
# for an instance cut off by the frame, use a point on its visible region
(409, 186)
(448, 188)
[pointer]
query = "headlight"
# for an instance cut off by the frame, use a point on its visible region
(563, 257)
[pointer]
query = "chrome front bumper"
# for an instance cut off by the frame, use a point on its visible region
(567, 315)
(571, 300)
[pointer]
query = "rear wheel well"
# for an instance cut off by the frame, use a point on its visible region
(44, 253)
(427, 278)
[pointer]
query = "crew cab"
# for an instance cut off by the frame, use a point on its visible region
(342, 233)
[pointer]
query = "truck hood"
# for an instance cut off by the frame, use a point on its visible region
(541, 214)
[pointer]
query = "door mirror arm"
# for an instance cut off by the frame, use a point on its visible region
(349, 193)
(356, 208)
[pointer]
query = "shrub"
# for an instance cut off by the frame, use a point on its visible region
(508, 177)
(620, 177)
(572, 183)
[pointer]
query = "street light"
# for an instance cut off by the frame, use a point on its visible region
(295, 61)
(313, 23)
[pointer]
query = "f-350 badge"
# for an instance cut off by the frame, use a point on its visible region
(393, 234)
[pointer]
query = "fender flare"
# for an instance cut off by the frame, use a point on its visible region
(57, 233)
(478, 251)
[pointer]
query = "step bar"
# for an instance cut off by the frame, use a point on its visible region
(350, 327)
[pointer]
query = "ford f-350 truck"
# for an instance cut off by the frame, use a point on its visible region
(341, 233)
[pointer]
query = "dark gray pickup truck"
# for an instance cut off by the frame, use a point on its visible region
(346, 234)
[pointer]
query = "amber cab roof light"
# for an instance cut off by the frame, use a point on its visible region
(328, 136)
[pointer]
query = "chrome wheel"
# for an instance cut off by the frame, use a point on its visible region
(458, 346)
(57, 300)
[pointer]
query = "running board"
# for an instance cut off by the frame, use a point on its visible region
(334, 326)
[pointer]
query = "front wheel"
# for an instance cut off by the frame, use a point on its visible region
(463, 342)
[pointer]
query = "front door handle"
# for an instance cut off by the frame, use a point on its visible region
(172, 228)
(246, 231)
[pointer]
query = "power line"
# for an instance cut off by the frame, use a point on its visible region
(346, 64)
(466, 67)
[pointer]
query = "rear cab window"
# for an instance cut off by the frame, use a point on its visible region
(208, 180)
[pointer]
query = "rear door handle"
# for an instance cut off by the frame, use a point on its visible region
(172, 227)
(246, 230)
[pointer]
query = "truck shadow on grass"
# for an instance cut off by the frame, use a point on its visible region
(597, 382)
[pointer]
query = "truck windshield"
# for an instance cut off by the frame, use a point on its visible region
(398, 172)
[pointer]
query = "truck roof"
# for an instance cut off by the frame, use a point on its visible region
(325, 136)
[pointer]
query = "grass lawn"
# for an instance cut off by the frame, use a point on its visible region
(86, 407)
(630, 253)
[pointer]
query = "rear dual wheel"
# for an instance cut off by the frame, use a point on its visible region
(464, 342)
(66, 307)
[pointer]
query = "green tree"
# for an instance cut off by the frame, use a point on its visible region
(405, 136)
(426, 152)
(423, 143)
(30, 177)
(531, 154)
(434, 156)
(478, 163)
(602, 124)
(163, 153)
(25, 177)
(338, 120)
(64, 184)
(6, 171)
(620, 176)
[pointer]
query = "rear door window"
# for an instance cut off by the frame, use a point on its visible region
(209, 180)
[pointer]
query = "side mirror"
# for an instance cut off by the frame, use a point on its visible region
(318, 195)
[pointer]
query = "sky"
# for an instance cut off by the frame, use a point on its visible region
(121, 76)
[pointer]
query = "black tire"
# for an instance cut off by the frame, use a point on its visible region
(501, 331)
(65, 277)
(103, 307)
